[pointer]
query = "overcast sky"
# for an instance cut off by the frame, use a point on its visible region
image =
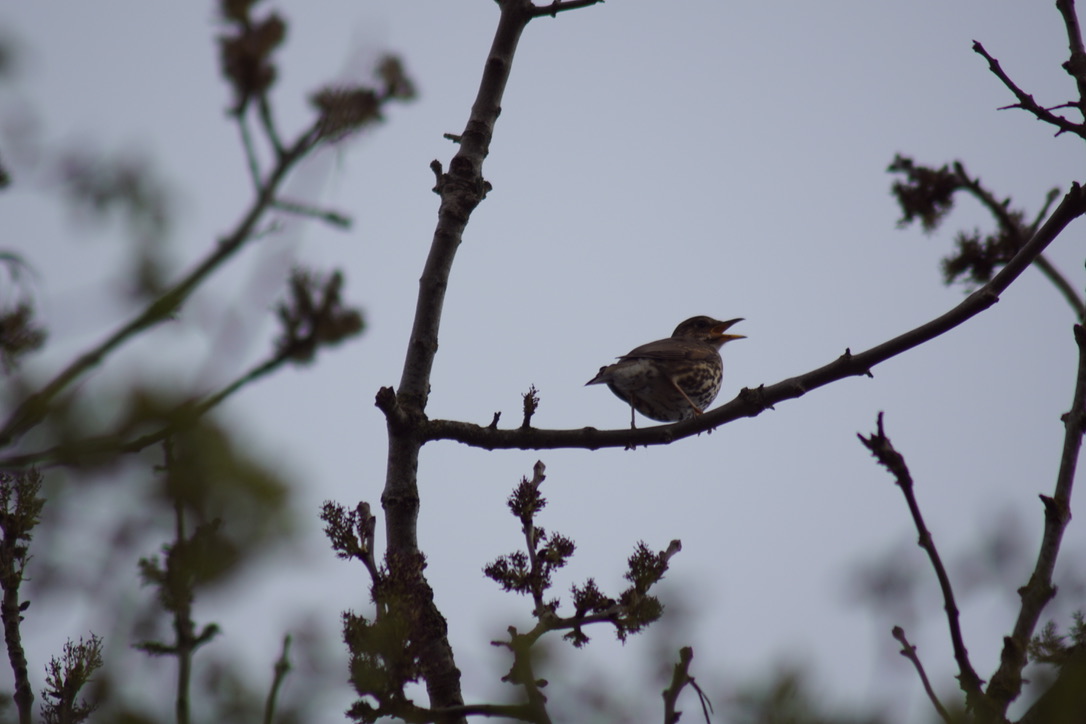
(653, 161)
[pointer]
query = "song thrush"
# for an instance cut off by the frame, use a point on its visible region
(675, 378)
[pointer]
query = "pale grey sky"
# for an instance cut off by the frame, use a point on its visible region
(653, 161)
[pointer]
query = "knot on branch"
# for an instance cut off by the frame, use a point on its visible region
(756, 399)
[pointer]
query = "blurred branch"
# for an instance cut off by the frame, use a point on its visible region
(251, 158)
(1006, 683)
(753, 402)
(1012, 226)
(909, 652)
(36, 406)
(926, 194)
(1026, 102)
(65, 677)
(883, 450)
(281, 669)
(20, 512)
(680, 678)
(331, 217)
(315, 316)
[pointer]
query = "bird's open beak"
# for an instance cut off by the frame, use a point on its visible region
(719, 330)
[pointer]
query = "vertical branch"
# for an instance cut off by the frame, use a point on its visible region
(20, 508)
(883, 450)
(461, 190)
(1076, 64)
(1007, 681)
(281, 669)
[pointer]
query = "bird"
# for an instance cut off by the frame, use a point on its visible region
(675, 378)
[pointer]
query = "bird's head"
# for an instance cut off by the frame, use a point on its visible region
(708, 330)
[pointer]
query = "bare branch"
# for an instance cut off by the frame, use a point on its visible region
(1076, 64)
(909, 652)
(461, 189)
(1007, 681)
(1026, 102)
(752, 402)
(883, 450)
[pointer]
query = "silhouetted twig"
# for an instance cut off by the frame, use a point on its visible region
(883, 450)
(909, 652)
(1025, 100)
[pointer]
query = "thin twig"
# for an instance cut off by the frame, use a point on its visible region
(909, 652)
(751, 402)
(1006, 683)
(1063, 286)
(269, 126)
(250, 152)
(1026, 102)
(883, 450)
(280, 671)
(559, 6)
(330, 217)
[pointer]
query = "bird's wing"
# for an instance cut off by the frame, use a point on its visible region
(665, 349)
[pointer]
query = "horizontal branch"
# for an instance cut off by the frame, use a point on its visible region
(752, 402)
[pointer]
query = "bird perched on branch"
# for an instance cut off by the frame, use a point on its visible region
(675, 378)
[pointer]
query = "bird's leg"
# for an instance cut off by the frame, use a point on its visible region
(633, 425)
(697, 410)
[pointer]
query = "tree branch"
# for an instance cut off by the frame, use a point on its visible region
(752, 402)
(680, 678)
(1011, 224)
(461, 189)
(1006, 683)
(883, 450)
(35, 407)
(118, 444)
(1076, 64)
(909, 652)
(1026, 102)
